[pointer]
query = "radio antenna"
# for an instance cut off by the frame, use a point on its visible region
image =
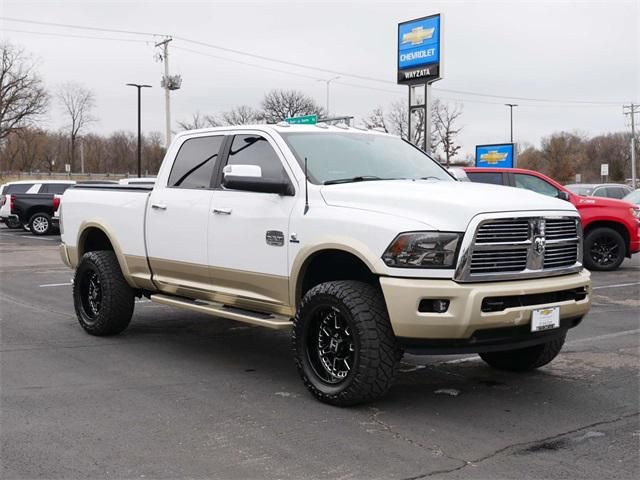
(306, 188)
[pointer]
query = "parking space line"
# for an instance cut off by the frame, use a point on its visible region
(56, 284)
(616, 285)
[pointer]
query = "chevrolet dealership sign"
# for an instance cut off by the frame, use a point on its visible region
(419, 50)
(500, 155)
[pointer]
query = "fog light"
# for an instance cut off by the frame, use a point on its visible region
(433, 305)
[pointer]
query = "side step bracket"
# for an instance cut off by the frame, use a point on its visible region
(276, 322)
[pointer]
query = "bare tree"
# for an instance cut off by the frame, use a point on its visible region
(242, 115)
(78, 103)
(444, 118)
(376, 119)
(22, 94)
(280, 104)
(198, 120)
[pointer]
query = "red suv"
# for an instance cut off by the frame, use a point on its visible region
(611, 227)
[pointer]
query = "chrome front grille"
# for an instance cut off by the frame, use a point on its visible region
(508, 230)
(520, 247)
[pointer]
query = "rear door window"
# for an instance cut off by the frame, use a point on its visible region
(494, 178)
(535, 184)
(18, 187)
(55, 188)
(195, 163)
(616, 192)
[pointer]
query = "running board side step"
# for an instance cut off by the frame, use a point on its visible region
(276, 322)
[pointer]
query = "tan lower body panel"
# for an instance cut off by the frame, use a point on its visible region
(248, 290)
(464, 316)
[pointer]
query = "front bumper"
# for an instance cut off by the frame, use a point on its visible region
(465, 315)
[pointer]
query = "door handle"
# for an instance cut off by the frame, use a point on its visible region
(222, 211)
(158, 206)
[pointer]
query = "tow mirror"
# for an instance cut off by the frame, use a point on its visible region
(249, 178)
(562, 195)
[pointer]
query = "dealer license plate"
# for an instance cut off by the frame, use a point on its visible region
(545, 319)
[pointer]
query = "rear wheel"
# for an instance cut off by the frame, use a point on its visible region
(40, 224)
(525, 359)
(102, 298)
(344, 347)
(12, 222)
(604, 249)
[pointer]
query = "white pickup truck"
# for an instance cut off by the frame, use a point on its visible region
(380, 251)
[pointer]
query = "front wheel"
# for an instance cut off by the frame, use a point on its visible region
(40, 224)
(525, 359)
(344, 346)
(604, 249)
(102, 298)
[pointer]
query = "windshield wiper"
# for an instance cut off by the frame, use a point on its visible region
(362, 178)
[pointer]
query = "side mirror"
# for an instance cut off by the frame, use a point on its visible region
(249, 178)
(562, 195)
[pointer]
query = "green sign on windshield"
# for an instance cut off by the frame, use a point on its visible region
(303, 120)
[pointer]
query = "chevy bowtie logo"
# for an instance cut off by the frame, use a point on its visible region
(418, 35)
(493, 156)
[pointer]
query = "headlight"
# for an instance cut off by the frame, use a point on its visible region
(635, 211)
(423, 250)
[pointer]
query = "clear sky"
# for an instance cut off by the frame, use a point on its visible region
(555, 50)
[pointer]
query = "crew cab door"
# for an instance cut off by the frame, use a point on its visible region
(178, 216)
(249, 230)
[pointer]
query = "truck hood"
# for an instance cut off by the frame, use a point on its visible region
(580, 201)
(441, 205)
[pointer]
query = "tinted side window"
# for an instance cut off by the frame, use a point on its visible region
(495, 178)
(195, 162)
(255, 150)
(55, 188)
(18, 188)
(599, 192)
(535, 184)
(616, 192)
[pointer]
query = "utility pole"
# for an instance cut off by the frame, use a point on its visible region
(631, 110)
(166, 83)
(139, 87)
(511, 105)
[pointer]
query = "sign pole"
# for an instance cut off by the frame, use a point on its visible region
(427, 118)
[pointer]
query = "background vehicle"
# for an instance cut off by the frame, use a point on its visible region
(137, 181)
(633, 197)
(37, 210)
(56, 187)
(380, 250)
(607, 190)
(611, 227)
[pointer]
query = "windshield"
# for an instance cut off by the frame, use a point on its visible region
(633, 197)
(336, 157)
(580, 190)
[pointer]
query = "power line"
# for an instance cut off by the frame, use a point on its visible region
(82, 27)
(70, 35)
(309, 67)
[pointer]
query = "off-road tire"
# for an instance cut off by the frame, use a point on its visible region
(525, 359)
(116, 296)
(376, 353)
(38, 220)
(603, 234)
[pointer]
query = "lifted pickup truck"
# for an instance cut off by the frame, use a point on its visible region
(379, 251)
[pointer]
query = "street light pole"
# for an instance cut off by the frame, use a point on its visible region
(139, 87)
(328, 82)
(511, 105)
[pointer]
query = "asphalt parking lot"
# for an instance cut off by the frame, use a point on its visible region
(182, 395)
